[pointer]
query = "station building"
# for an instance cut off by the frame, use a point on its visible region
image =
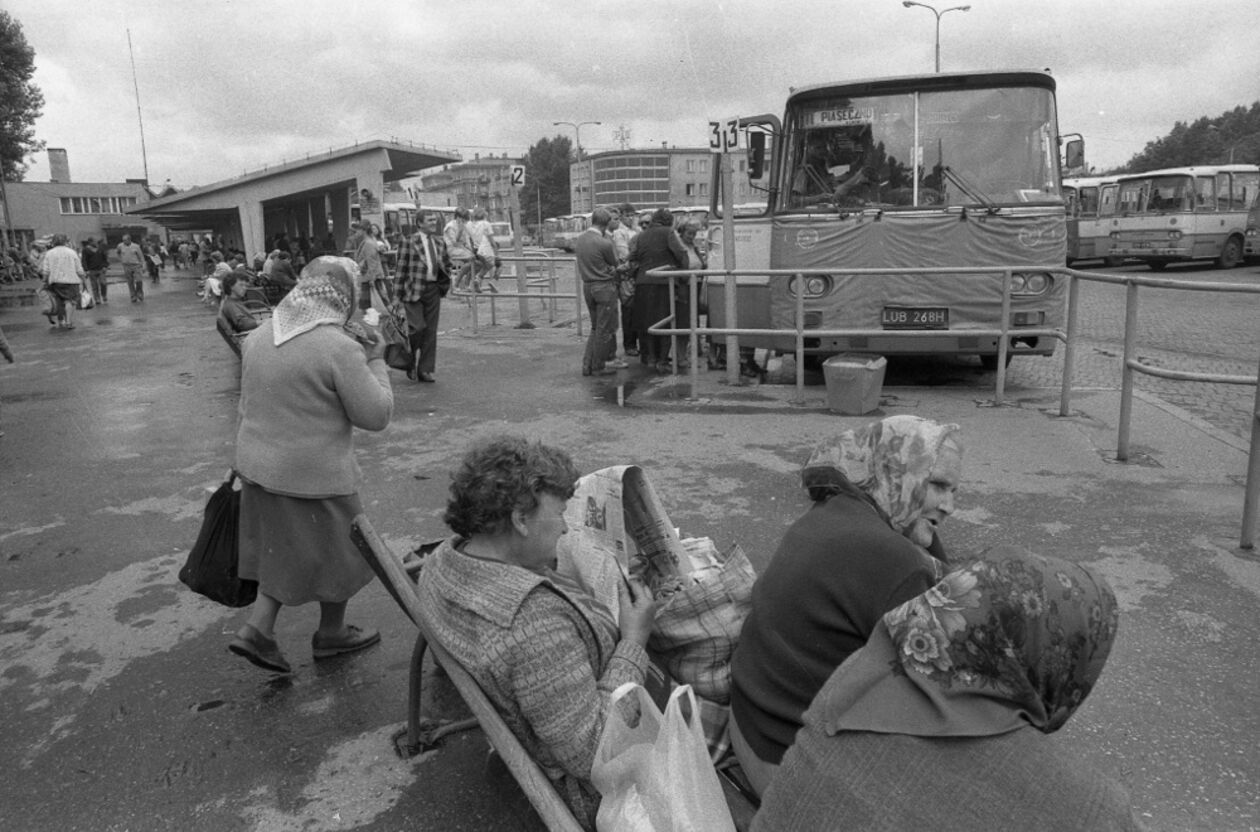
(664, 178)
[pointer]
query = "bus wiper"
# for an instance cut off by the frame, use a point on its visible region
(969, 190)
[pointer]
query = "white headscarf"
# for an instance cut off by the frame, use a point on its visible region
(327, 292)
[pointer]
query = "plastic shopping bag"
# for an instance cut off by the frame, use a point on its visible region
(654, 775)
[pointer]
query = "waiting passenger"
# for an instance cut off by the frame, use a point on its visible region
(942, 720)
(867, 544)
(546, 653)
(233, 309)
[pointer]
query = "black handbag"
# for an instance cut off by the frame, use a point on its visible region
(399, 357)
(211, 566)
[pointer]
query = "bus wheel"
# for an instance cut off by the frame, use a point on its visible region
(1231, 254)
(1157, 265)
(989, 362)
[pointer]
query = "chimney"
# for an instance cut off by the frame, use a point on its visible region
(58, 165)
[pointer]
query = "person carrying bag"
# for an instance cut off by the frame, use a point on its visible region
(655, 775)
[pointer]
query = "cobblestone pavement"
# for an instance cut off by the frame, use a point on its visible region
(1213, 332)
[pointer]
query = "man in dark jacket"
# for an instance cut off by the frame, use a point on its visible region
(95, 264)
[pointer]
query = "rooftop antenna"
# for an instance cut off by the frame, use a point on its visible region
(144, 155)
(622, 134)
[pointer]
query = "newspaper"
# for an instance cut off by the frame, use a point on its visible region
(618, 528)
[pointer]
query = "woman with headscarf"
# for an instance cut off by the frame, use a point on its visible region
(868, 544)
(942, 720)
(309, 376)
(656, 246)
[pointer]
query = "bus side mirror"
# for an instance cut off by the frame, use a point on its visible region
(1075, 154)
(756, 154)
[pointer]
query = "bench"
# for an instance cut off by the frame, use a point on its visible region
(420, 736)
(225, 329)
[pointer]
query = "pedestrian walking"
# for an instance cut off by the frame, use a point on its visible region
(96, 264)
(63, 277)
(422, 280)
(132, 259)
(597, 267)
(310, 375)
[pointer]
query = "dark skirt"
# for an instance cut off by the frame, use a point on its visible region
(299, 550)
(69, 292)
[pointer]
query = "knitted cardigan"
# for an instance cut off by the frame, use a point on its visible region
(539, 655)
(299, 405)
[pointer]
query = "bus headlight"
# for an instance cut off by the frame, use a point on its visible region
(1174, 235)
(1030, 283)
(816, 285)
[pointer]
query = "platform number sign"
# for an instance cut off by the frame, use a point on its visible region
(724, 135)
(516, 176)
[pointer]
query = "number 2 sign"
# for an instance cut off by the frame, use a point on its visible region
(724, 135)
(516, 176)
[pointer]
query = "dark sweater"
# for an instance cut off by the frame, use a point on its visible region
(839, 568)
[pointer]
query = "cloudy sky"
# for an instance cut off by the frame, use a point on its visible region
(227, 86)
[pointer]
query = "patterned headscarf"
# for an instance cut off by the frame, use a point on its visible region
(889, 461)
(326, 293)
(1012, 639)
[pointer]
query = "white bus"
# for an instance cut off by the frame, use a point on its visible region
(1180, 214)
(1088, 237)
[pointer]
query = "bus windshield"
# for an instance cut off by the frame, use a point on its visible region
(987, 147)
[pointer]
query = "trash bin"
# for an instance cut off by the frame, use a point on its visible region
(854, 383)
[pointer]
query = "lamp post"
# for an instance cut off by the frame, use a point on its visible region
(939, 14)
(577, 132)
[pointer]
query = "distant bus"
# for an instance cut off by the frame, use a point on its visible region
(1180, 214)
(1088, 237)
(571, 226)
(548, 233)
(1251, 247)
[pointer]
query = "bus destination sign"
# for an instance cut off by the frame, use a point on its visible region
(842, 116)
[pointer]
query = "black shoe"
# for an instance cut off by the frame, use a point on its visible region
(426, 377)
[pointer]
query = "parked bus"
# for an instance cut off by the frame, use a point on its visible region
(1251, 246)
(943, 170)
(549, 232)
(1179, 214)
(1088, 237)
(571, 225)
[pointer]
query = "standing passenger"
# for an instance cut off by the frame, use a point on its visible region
(656, 247)
(623, 237)
(422, 281)
(597, 268)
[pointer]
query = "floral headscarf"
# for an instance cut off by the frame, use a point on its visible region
(1010, 640)
(326, 293)
(889, 461)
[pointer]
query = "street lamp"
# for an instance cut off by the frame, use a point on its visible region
(939, 14)
(577, 131)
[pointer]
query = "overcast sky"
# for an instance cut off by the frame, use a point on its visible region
(227, 86)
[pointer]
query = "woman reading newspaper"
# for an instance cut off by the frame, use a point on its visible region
(544, 650)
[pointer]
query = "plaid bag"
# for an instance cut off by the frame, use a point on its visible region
(697, 627)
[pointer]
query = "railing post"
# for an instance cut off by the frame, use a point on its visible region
(1004, 342)
(800, 340)
(1250, 497)
(673, 325)
(1069, 349)
(1126, 376)
(693, 314)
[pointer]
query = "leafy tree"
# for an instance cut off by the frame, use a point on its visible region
(21, 102)
(546, 188)
(1232, 136)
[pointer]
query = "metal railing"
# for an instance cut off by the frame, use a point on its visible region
(1003, 333)
(1131, 364)
(541, 283)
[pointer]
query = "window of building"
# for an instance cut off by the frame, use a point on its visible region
(691, 166)
(704, 189)
(690, 189)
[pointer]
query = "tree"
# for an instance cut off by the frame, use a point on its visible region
(546, 189)
(21, 102)
(1233, 136)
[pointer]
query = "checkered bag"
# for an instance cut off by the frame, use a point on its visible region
(697, 626)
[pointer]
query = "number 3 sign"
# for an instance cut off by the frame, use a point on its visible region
(724, 135)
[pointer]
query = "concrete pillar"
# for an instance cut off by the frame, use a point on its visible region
(253, 237)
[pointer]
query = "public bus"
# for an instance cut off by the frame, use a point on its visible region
(571, 225)
(1087, 199)
(548, 233)
(1251, 247)
(1179, 214)
(945, 170)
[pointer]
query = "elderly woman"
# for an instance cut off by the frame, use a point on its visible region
(942, 720)
(545, 652)
(309, 376)
(656, 246)
(868, 544)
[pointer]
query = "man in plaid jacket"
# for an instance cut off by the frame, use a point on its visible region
(422, 280)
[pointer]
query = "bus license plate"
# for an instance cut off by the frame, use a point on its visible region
(914, 317)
